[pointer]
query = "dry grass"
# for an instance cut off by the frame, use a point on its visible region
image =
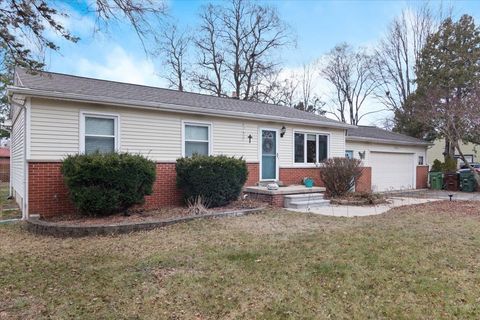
(414, 262)
(8, 208)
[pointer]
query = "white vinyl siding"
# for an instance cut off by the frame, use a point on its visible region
(368, 147)
(393, 166)
(18, 153)
(158, 135)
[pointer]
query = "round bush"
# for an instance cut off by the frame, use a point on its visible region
(218, 180)
(101, 184)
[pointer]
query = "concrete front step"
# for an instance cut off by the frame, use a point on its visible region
(308, 204)
(299, 201)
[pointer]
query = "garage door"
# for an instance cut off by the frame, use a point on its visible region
(392, 171)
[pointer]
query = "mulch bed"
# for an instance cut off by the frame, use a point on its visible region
(80, 226)
(359, 199)
(140, 216)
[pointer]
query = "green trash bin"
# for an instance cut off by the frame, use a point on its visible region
(467, 181)
(436, 180)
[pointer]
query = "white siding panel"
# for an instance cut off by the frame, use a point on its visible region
(368, 147)
(55, 133)
(54, 130)
(18, 153)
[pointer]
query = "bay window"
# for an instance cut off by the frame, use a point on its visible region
(196, 139)
(310, 148)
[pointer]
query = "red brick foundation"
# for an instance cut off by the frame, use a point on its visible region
(422, 177)
(253, 174)
(275, 200)
(48, 195)
(291, 176)
(364, 183)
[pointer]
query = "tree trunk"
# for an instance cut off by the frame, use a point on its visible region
(449, 149)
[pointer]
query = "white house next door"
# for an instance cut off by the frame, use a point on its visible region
(269, 161)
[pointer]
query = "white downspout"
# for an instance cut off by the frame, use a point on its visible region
(26, 149)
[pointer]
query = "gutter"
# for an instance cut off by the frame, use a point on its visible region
(168, 107)
(386, 141)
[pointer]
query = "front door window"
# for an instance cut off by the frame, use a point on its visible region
(269, 155)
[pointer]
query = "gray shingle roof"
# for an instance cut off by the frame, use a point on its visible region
(96, 89)
(374, 133)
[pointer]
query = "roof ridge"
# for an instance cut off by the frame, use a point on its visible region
(171, 90)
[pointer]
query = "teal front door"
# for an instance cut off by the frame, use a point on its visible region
(269, 155)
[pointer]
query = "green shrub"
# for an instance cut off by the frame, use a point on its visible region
(339, 175)
(101, 184)
(217, 179)
(450, 165)
(437, 166)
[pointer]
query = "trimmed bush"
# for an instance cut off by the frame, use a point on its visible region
(218, 180)
(437, 166)
(101, 184)
(339, 175)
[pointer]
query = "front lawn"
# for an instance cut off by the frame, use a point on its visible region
(413, 262)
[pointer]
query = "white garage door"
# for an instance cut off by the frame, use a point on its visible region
(392, 171)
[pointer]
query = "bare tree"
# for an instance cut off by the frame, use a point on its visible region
(210, 74)
(349, 72)
(455, 118)
(173, 50)
(398, 51)
(237, 45)
(142, 15)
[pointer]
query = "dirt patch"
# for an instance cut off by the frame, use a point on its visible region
(444, 208)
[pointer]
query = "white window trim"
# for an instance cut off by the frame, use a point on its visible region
(308, 164)
(200, 124)
(114, 116)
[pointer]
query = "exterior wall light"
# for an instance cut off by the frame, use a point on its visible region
(249, 138)
(361, 154)
(282, 131)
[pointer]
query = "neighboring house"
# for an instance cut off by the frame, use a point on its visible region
(54, 115)
(397, 161)
(4, 164)
(469, 150)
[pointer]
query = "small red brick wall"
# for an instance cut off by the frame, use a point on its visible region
(165, 192)
(364, 183)
(422, 177)
(253, 174)
(275, 200)
(295, 175)
(48, 195)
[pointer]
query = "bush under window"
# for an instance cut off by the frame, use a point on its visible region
(218, 180)
(101, 184)
(339, 175)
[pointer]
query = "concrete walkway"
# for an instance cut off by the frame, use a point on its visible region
(435, 194)
(362, 211)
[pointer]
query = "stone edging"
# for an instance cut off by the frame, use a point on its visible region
(63, 230)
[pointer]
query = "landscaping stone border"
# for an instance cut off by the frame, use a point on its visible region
(65, 230)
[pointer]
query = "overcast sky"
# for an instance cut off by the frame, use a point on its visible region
(318, 26)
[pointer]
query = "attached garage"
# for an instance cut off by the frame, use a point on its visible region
(392, 171)
(396, 161)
